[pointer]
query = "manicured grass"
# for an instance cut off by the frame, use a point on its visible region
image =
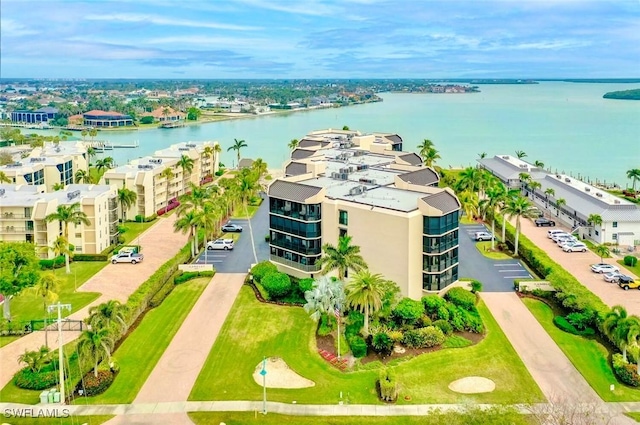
(473, 417)
(635, 269)
(134, 230)
(28, 306)
(4, 340)
(587, 355)
(485, 249)
(253, 330)
(466, 220)
(72, 420)
(240, 214)
(139, 353)
(634, 415)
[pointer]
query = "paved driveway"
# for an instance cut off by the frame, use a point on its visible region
(495, 275)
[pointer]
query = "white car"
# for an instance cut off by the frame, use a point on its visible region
(560, 235)
(563, 240)
(482, 236)
(604, 268)
(552, 232)
(611, 277)
(226, 244)
(575, 247)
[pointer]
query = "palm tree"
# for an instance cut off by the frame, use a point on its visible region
(341, 258)
(186, 164)
(104, 163)
(611, 319)
(186, 223)
(167, 173)
(482, 155)
(82, 176)
(423, 148)
(594, 220)
(208, 153)
(534, 186)
(84, 133)
(217, 149)
(237, 145)
(47, 287)
(34, 359)
(525, 177)
(626, 333)
(559, 203)
(489, 206)
(260, 167)
(109, 315)
(548, 192)
(93, 133)
(634, 175)
(365, 292)
(468, 180)
(520, 154)
(518, 207)
(469, 202)
(127, 199)
(325, 297)
(91, 151)
(602, 251)
(57, 186)
(431, 157)
(293, 144)
(4, 178)
(94, 346)
(66, 214)
(539, 164)
(60, 246)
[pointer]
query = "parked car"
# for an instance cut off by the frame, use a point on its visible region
(544, 222)
(559, 235)
(535, 212)
(626, 282)
(604, 268)
(226, 244)
(552, 232)
(482, 236)
(575, 247)
(563, 240)
(229, 227)
(611, 277)
(127, 257)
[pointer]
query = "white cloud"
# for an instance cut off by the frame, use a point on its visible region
(161, 20)
(11, 28)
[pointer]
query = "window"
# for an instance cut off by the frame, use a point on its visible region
(27, 212)
(614, 236)
(343, 217)
(342, 232)
(615, 224)
(78, 235)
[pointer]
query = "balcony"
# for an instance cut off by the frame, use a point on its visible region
(293, 264)
(12, 216)
(14, 229)
(434, 249)
(297, 247)
(295, 214)
(442, 265)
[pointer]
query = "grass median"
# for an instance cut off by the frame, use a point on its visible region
(58, 410)
(589, 356)
(485, 249)
(253, 330)
(139, 353)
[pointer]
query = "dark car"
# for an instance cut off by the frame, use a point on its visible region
(626, 282)
(231, 228)
(544, 222)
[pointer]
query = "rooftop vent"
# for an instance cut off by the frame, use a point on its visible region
(183, 149)
(155, 161)
(190, 145)
(505, 157)
(523, 166)
(73, 194)
(38, 159)
(568, 180)
(599, 195)
(145, 167)
(587, 189)
(356, 190)
(15, 164)
(2, 192)
(615, 201)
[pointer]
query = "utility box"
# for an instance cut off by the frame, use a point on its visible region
(56, 397)
(50, 397)
(44, 397)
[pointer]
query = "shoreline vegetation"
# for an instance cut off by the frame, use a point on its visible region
(633, 94)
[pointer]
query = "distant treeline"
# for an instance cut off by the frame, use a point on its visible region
(624, 94)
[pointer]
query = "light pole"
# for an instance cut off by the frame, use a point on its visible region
(263, 372)
(59, 307)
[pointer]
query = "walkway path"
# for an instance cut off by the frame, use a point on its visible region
(115, 281)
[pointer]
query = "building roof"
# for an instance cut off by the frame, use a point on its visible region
(443, 201)
(295, 169)
(160, 112)
(47, 110)
(245, 163)
(310, 143)
(394, 138)
(301, 153)
(105, 114)
(292, 191)
(411, 158)
(423, 177)
(507, 167)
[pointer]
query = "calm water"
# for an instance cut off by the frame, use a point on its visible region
(568, 126)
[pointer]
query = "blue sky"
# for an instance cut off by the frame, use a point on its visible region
(320, 39)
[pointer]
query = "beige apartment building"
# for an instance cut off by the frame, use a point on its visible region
(23, 209)
(154, 192)
(346, 183)
(49, 165)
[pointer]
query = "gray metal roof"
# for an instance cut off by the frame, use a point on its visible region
(301, 153)
(291, 191)
(411, 158)
(309, 143)
(394, 138)
(502, 169)
(423, 177)
(295, 169)
(443, 201)
(621, 213)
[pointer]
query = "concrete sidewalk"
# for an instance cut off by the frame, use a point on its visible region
(115, 281)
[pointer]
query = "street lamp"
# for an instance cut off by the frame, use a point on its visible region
(263, 372)
(59, 307)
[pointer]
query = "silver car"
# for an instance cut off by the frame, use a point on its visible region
(612, 277)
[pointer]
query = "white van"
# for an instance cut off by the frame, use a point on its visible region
(552, 232)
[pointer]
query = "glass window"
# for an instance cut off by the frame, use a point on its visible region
(615, 224)
(614, 236)
(343, 217)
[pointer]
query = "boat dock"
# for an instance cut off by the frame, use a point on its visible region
(105, 145)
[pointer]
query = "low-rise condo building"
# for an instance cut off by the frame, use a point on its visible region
(97, 118)
(23, 210)
(34, 117)
(345, 183)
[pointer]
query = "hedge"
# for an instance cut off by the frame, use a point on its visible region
(358, 346)
(186, 276)
(54, 263)
(564, 325)
(388, 385)
(97, 385)
(625, 371)
(261, 269)
(461, 297)
(90, 257)
(630, 260)
(277, 284)
(29, 380)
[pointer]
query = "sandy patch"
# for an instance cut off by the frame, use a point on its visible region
(472, 385)
(279, 375)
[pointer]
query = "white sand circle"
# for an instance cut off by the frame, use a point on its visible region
(472, 385)
(279, 375)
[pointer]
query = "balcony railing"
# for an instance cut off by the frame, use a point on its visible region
(296, 214)
(295, 265)
(299, 248)
(12, 216)
(430, 249)
(442, 265)
(13, 229)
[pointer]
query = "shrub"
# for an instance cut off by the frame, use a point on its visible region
(443, 312)
(408, 311)
(388, 385)
(382, 343)
(305, 284)
(581, 320)
(476, 286)
(276, 284)
(461, 297)
(358, 346)
(423, 337)
(396, 336)
(54, 263)
(97, 385)
(423, 321)
(147, 119)
(630, 260)
(186, 276)
(444, 326)
(90, 257)
(566, 326)
(432, 303)
(326, 324)
(267, 238)
(261, 269)
(625, 371)
(30, 380)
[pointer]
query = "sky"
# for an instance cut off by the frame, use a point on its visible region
(279, 39)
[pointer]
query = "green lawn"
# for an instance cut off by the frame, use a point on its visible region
(634, 415)
(139, 353)
(240, 214)
(72, 420)
(254, 330)
(8, 339)
(27, 306)
(485, 247)
(587, 355)
(635, 269)
(473, 417)
(134, 230)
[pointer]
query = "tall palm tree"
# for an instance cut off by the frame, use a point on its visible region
(84, 133)
(60, 246)
(127, 199)
(341, 258)
(104, 163)
(293, 144)
(423, 148)
(48, 287)
(167, 173)
(186, 164)
(186, 223)
(626, 333)
(259, 167)
(469, 202)
(549, 192)
(602, 251)
(4, 178)
(66, 214)
(94, 346)
(560, 202)
(82, 176)
(539, 164)
(208, 153)
(634, 175)
(217, 149)
(467, 180)
(431, 157)
(93, 133)
(489, 206)
(91, 152)
(611, 319)
(325, 297)
(518, 207)
(520, 154)
(534, 185)
(109, 315)
(365, 292)
(237, 145)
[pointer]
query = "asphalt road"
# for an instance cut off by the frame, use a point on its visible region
(495, 275)
(240, 259)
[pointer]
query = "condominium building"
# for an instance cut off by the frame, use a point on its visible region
(620, 217)
(154, 192)
(346, 183)
(23, 210)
